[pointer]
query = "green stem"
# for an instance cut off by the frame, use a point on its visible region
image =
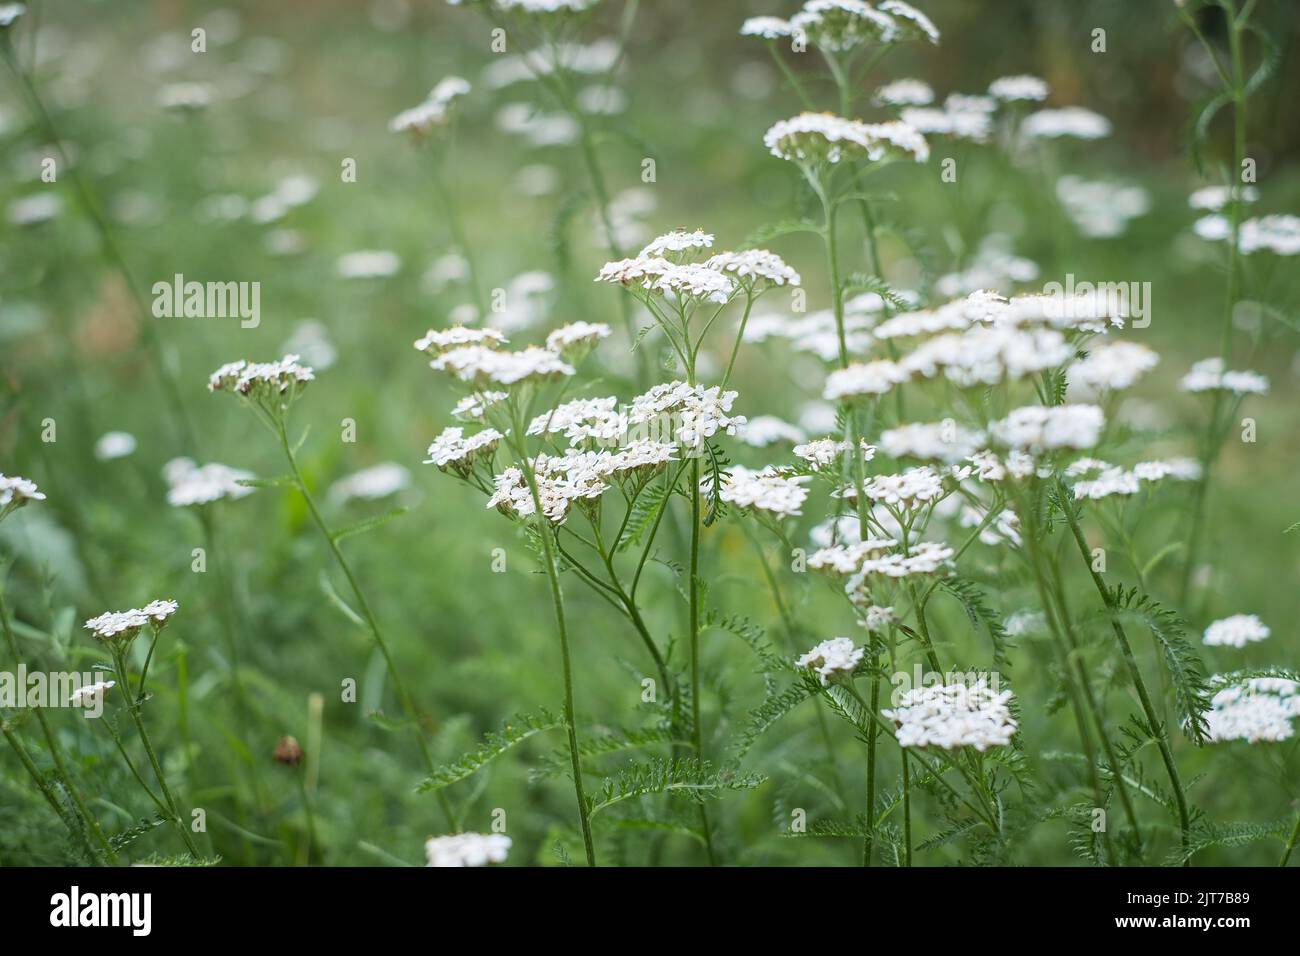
(1291, 843)
(1211, 446)
(697, 732)
(404, 698)
(133, 707)
(1076, 682)
(457, 229)
(1135, 674)
(56, 753)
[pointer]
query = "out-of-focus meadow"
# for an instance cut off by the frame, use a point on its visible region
(255, 187)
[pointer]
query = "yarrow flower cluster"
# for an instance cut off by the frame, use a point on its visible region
(767, 490)
(262, 380)
(434, 112)
(1072, 121)
(1260, 709)
(1209, 374)
(1023, 87)
(16, 492)
(1037, 428)
(1112, 366)
(814, 138)
(437, 341)
(467, 849)
(483, 365)
(823, 452)
(452, 451)
(192, 484)
(1236, 631)
(833, 658)
(1104, 479)
(694, 412)
(123, 626)
(371, 484)
(954, 715)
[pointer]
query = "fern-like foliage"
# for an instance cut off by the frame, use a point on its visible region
(975, 604)
(687, 777)
(766, 714)
(1186, 672)
(516, 731)
(644, 510)
(1229, 835)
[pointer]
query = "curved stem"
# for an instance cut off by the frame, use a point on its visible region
(133, 708)
(408, 706)
(1135, 674)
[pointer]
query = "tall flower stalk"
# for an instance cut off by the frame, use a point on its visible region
(1236, 89)
(117, 631)
(109, 249)
(270, 389)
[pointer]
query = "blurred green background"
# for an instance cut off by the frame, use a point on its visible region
(298, 87)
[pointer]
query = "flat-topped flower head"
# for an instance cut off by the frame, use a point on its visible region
(437, 341)
(905, 92)
(911, 22)
(763, 430)
(1278, 234)
(577, 477)
(467, 849)
(848, 557)
(9, 14)
(573, 341)
(754, 268)
(370, 484)
(1036, 428)
(768, 28)
(1072, 121)
(121, 627)
(420, 120)
(1209, 374)
(832, 659)
(262, 381)
(190, 484)
(1257, 710)
(473, 407)
(482, 366)
(824, 452)
(16, 492)
(945, 441)
(685, 413)
(159, 612)
(1100, 479)
(1111, 366)
(766, 490)
(954, 715)
(90, 694)
(1214, 198)
(949, 120)
(657, 275)
(863, 379)
(546, 7)
(671, 245)
(912, 489)
(452, 451)
(1236, 631)
(838, 26)
(1012, 89)
(818, 138)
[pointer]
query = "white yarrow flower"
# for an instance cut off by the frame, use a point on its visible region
(1236, 631)
(833, 658)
